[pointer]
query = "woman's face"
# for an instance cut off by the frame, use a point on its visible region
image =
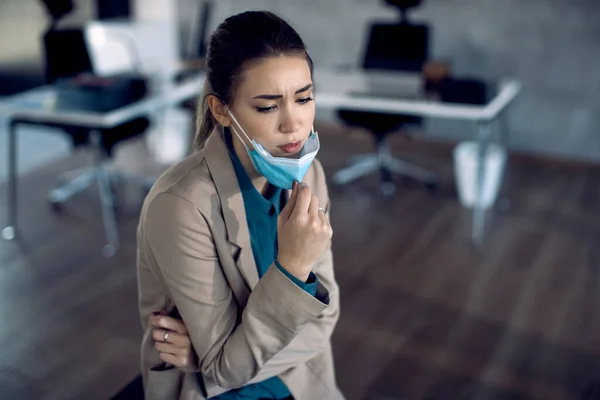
(274, 104)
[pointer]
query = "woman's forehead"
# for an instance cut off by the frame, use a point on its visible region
(275, 75)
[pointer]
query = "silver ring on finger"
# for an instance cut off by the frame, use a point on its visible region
(166, 338)
(322, 209)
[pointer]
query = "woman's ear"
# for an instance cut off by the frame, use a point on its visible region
(218, 110)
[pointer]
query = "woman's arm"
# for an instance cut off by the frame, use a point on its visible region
(315, 337)
(230, 353)
(312, 340)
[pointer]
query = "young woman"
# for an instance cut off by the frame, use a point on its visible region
(235, 240)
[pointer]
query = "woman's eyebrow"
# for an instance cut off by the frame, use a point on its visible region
(304, 89)
(279, 96)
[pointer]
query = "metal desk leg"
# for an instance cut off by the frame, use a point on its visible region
(106, 199)
(483, 136)
(504, 139)
(503, 132)
(10, 231)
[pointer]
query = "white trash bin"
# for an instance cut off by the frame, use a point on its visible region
(465, 171)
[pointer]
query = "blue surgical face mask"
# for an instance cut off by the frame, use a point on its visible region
(280, 171)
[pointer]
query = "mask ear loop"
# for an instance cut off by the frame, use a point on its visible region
(241, 129)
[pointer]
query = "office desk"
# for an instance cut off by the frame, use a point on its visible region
(38, 106)
(334, 90)
(362, 91)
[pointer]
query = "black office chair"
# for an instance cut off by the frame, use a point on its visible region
(399, 46)
(67, 60)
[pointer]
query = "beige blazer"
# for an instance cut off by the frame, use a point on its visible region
(195, 258)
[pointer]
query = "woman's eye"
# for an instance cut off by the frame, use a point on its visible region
(274, 107)
(265, 109)
(305, 100)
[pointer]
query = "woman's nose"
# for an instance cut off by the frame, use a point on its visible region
(290, 122)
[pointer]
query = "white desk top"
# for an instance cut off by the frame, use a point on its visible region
(333, 91)
(37, 105)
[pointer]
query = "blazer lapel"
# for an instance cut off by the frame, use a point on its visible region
(232, 204)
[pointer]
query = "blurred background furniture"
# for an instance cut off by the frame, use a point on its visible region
(78, 87)
(104, 81)
(401, 46)
(68, 66)
(42, 106)
(353, 90)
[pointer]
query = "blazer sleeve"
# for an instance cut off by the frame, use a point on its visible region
(231, 350)
(315, 337)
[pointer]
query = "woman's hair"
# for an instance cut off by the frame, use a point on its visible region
(237, 43)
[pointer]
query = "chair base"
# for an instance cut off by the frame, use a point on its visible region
(387, 165)
(105, 179)
(83, 178)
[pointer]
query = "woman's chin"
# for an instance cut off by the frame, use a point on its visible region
(294, 156)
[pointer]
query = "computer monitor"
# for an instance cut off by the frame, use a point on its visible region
(400, 46)
(138, 47)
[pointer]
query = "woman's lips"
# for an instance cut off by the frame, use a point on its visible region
(291, 148)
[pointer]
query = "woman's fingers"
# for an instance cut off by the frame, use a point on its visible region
(169, 323)
(303, 198)
(325, 221)
(177, 339)
(313, 208)
(323, 216)
(178, 356)
(291, 204)
(172, 341)
(177, 361)
(169, 348)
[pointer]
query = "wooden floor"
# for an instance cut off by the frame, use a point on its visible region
(424, 315)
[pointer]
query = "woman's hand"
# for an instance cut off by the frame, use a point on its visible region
(172, 340)
(303, 232)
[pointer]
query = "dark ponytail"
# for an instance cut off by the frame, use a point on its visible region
(205, 122)
(239, 41)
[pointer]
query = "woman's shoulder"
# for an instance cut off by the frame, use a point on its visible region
(188, 179)
(315, 178)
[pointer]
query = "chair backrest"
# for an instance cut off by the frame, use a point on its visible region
(148, 48)
(58, 8)
(65, 53)
(391, 46)
(113, 48)
(401, 46)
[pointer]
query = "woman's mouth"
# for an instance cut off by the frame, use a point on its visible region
(291, 148)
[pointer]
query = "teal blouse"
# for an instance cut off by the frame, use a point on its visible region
(261, 215)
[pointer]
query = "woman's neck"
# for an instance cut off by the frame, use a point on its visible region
(259, 181)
